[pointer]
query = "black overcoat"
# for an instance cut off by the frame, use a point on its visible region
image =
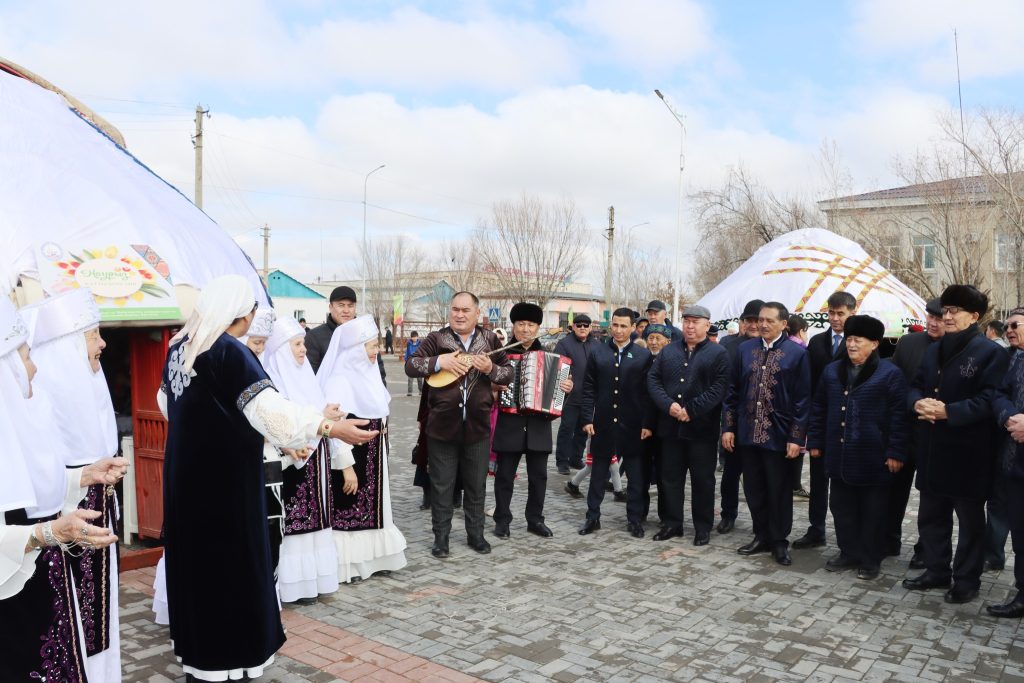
(615, 398)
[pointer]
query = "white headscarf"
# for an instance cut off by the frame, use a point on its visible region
(221, 302)
(295, 382)
(348, 377)
(84, 414)
(30, 459)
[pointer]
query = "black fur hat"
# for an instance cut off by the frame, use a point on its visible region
(752, 309)
(864, 326)
(966, 297)
(526, 311)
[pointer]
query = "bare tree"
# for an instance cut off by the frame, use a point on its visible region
(392, 267)
(739, 217)
(532, 248)
(992, 144)
(639, 274)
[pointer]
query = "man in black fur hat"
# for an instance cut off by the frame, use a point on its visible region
(952, 397)
(519, 434)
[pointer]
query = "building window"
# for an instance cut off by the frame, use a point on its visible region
(924, 253)
(1005, 252)
(299, 314)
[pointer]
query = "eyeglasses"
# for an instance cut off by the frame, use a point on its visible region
(1012, 326)
(581, 325)
(951, 310)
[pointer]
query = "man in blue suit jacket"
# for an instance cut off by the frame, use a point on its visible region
(766, 412)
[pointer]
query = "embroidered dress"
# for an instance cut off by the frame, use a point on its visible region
(367, 539)
(221, 598)
(40, 628)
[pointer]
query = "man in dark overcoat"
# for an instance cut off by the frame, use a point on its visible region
(859, 429)
(523, 434)
(952, 394)
(571, 440)
(615, 409)
(909, 354)
(822, 349)
(732, 466)
(687, 385)
(1009, 413)
(766, 411)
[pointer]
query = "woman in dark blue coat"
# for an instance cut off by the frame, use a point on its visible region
(859, 424)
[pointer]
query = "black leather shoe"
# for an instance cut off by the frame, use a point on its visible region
(501, 530)
(540, 529)
(926, 581)
(958, 595)
(635, 530)
(425, 504)
(702, 538)
(590, 526)
(1014, 609)
(754, 547)
(916, 561)
(840, 562)
(573, 490)
(564, 469)
(808, 541)
(619, 496)
(867, 573)
(993, 566)
(608, 486)
(440, 549)
(781, 555)
(726, 525)
(479, 544)
(306, 601)
(667, 532)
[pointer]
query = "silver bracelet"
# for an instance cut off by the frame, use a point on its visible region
(49, 539)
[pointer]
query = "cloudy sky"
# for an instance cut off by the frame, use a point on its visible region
(469, 103)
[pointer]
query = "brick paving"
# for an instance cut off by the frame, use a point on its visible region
(609, 607)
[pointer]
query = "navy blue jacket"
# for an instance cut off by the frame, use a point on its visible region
(955, 456)
(579, 352)
(859, 425)
(768, 402)
(1009, 401)
(615, 398)
(696, 381)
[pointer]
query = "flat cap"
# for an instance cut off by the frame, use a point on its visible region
(695, 311)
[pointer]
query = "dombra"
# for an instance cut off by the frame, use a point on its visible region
(443, 378)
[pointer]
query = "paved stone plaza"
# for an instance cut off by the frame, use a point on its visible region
(609, 607)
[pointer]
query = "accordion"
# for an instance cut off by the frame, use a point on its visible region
(536, 376)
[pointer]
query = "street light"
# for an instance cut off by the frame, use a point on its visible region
(679, 203)
(366, 260)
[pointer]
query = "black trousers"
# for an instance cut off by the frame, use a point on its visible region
(571, 439)
(859, 514)
(817, 507)
(698, 458)
(651, 454)
(899, 496)
(536, 485)
(448, 461)
(636, 485)
(732, 468)
(1015, 513)
(997, 521)
(767, 485)
(935, 524)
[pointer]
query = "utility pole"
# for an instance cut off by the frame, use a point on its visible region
(266, 252)
(197, 142)
(610, 236)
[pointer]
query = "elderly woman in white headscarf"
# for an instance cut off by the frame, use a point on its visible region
(308, 566)
(367, 539)
(40, 530)
(221, 406)
(260, 330)
(66, 346)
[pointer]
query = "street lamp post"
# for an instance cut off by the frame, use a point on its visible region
(366, 261)
(679, 204)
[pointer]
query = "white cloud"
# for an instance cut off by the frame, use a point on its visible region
(921, 32)
(644, 34)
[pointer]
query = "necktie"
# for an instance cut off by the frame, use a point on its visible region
(836, 338)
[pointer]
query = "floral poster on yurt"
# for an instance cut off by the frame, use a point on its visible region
(129, 281)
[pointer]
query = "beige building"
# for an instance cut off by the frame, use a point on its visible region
(934, 234)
